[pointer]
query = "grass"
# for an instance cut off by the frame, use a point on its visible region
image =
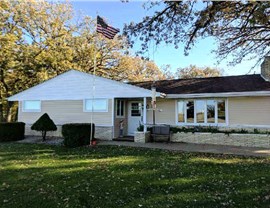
(106, 176)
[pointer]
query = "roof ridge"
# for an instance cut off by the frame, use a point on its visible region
(196, 78)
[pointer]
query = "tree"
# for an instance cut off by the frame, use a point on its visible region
(30, 48)
(44, 124)
(193, 71)
(242, 28)
(134, 68)
(167, 71)
(41, 39)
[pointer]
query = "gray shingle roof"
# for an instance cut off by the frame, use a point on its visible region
(243, 83)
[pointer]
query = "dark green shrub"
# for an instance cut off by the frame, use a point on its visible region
(182, 129)
(211, 129)
(77, 134)
(243, 131)
(140, 127)
(256, 131)
(11, 131)
(44, 124)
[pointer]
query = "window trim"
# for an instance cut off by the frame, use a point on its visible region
(124, 109)
(31, 110)
(185, 123)
(96, 111)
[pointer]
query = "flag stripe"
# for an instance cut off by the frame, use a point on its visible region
(106, 33)
(106, 30)
(101, 30)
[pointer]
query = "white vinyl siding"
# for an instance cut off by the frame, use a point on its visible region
(253, 111)
(70, 111)
(165, 113)
(76, 85)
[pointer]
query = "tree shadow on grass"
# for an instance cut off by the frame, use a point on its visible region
(46, 176)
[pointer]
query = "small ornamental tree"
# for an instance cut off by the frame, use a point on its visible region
(44, 124)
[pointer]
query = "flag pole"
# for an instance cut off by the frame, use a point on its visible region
(93, 86)
(108, 32)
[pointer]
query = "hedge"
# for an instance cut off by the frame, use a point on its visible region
(12, 131)
(77, 134)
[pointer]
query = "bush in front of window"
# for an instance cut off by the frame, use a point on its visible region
(44, 124)
(11, 131)
(77, 134)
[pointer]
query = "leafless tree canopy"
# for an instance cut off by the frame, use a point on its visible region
(242, 28)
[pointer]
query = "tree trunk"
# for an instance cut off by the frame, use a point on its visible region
(4, 95)
(44, 136)
(1, 113)
(12, 112)
(9, 111)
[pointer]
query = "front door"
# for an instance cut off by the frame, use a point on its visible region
(134, 116)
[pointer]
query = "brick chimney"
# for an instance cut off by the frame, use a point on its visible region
(265, 68)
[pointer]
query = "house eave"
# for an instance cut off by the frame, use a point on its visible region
(217, 95)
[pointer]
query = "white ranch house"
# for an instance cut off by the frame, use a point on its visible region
(227, 102)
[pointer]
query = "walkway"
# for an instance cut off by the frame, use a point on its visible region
(188, 147)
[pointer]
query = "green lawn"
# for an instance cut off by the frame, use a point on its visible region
(46, 176)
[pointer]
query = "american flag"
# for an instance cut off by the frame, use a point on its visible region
(106, 30)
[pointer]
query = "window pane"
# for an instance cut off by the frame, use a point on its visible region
(135, 110)
(98, 105)
(200, 109)
(181, 115)
(122, 104)
(221, 111)
(32, 105)
(118, 107)
(190, 112)
(210, 111)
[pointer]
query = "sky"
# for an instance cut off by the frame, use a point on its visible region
(118, 13)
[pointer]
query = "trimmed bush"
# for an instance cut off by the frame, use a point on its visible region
(77, 134)
(11, 131)
(44, 124)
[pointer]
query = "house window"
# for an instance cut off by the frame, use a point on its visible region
(200, 109)
(96, 105)
(181, 111)
(205, 112)
(210, 111)
(135, 109)
(120, 108)
(31, 106)
(190, 111)
(221, 111)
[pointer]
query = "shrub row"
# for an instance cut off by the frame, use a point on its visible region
(77, 134)
(214, 129)
(11, 131)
